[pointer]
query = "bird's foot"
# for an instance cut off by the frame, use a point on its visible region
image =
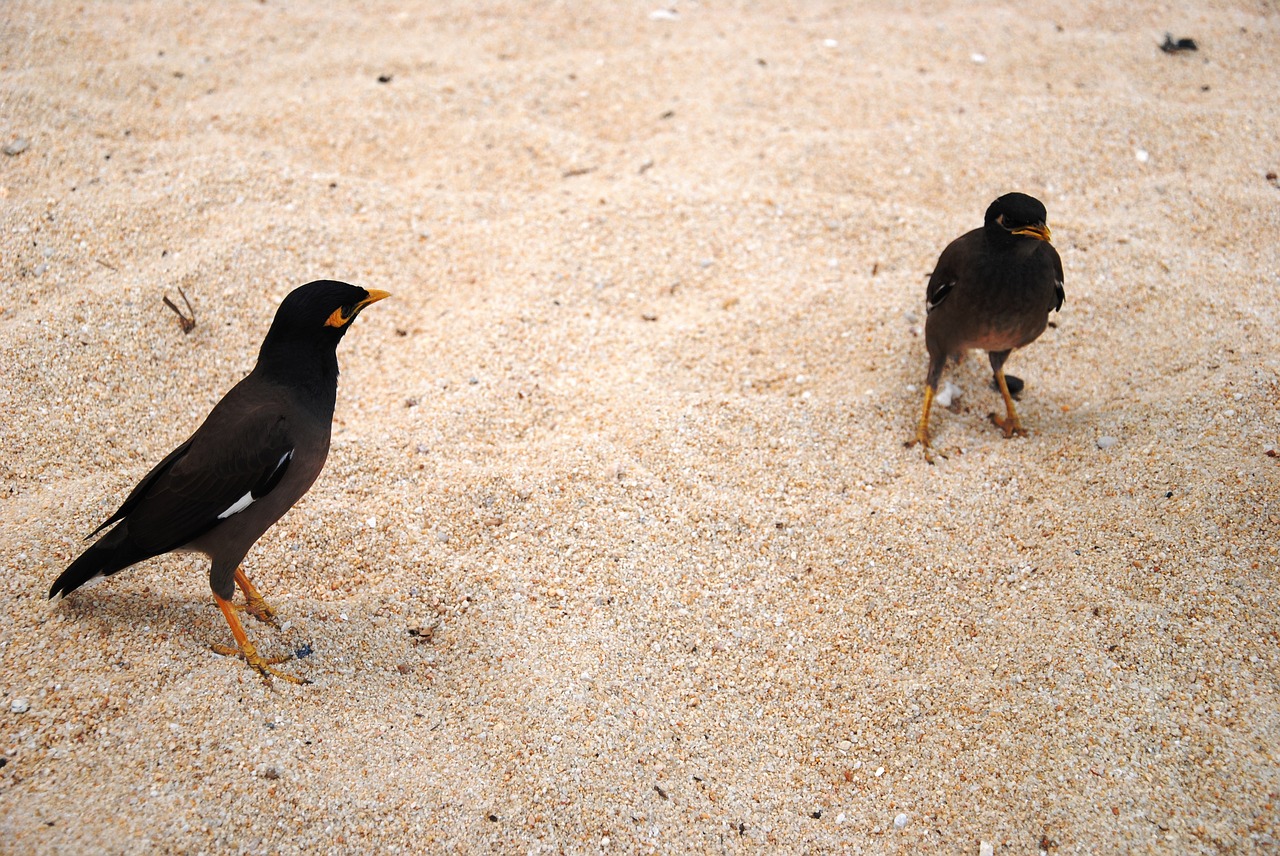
(254, 603)
(1011, 426)
(260, 663)
(922, 427)
(258, 607)
(929, 451)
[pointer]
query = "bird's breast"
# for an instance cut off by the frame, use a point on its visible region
(1015, 333)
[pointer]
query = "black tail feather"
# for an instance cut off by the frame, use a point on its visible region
(110, 554)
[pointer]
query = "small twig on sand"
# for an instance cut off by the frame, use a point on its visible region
(188, 324)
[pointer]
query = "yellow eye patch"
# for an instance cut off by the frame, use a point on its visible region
(342, 316)
(337, 319)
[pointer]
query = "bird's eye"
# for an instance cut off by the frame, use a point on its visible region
(340, 316)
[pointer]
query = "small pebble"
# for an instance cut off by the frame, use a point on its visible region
(900, 821)
(985, 849)
(1142, 155)
(1107, 442)
(20, 705)
(978, 58)
(16, 147)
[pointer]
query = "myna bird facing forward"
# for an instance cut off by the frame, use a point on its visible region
(993, 288)
(256, 454)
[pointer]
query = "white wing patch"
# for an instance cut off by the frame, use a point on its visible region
(239, 505)
(938, 296)
(247, 500)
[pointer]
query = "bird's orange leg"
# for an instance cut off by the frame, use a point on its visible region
(922, 427)
(254, 603)
(1011, 424)
(245, 648)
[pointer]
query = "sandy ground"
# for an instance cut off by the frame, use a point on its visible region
(618, 547)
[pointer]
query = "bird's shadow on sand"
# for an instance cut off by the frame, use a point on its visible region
(187, 624)
(159, 612)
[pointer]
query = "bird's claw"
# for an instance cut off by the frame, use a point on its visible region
(929, 451)
(260, 663)
(1011, 427)
(259, 609)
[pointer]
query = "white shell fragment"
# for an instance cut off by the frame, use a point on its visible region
(948, 393)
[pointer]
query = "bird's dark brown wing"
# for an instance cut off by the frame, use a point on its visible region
(236, 457)
(946, 273)
(1058, 282)
(939, 288)
(140, 490)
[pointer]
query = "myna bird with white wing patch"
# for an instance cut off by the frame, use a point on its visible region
(260, 449)
(993, 288)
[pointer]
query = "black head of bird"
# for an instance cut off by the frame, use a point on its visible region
(325, 306)
(315, 316)
(992, 288)
(1015, 215)
(260, 449)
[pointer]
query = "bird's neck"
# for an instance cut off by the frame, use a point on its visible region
(1002, 243)
(312, 371)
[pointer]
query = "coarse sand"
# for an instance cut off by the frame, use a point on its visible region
(618, 547)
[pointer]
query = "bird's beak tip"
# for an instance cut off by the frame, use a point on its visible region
(1039, 231)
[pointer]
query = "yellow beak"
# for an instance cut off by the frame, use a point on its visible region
(340, 319)
(1041, 232)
